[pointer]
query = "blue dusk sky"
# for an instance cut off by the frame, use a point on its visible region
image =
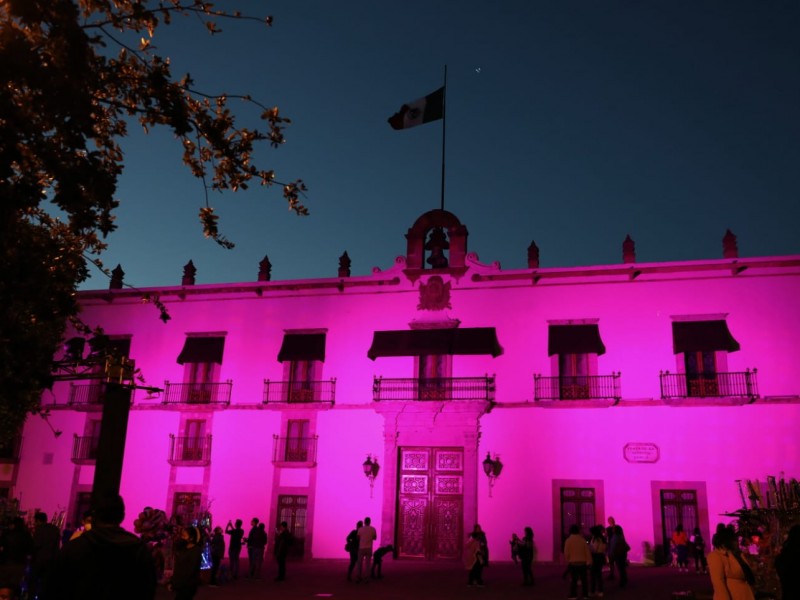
(569, 123)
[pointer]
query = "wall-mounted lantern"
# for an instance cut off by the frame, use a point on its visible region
(371, 468)
(492, 468)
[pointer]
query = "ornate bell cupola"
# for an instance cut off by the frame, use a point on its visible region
(436, 242)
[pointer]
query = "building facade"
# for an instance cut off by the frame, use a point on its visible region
(468, 394)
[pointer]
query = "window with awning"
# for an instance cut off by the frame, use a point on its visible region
(424, 342)
(302, 346)
(574, 339)
(202, 350)
(702, 336)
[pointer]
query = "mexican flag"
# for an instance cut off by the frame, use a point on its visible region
(424, 110)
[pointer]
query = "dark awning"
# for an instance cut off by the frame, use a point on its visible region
(702, 336)
(575, 339)
(302, 346)
(202, 350)
(423, 342)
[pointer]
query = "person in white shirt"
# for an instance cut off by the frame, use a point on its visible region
(366, 536)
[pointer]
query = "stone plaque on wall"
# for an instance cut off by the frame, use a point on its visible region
(641, 452)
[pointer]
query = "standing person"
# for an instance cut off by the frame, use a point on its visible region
(105, 562)
(46, 539)
(698, 545)
(728, 569)
(366, 536)
(351, 546)
(610, 532)
(256, 542)
(217, 554)
(578, 559)
(283, 541)
(235, 546)
(17, 544)
(787, 564)
(86, 525)
(598, 548)
(681, 541)
(618, 548)
(514, 543)
(186, 574)
(474, 560)
(526, 551)
(484, 543)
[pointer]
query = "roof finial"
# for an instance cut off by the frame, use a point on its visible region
(344, 265)
(264, 269)
(628, 250)
(189, 271)
(729, 247)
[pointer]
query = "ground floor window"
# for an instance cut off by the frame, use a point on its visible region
(577, 508)
(678, 507)
(293, 509)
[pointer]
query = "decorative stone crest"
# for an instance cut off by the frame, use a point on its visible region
(434, 295)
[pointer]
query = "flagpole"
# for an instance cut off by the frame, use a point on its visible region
(444, 121)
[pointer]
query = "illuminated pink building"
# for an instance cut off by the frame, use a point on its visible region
(641, 391)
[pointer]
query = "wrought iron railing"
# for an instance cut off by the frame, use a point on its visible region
(709, 385)
(9, 449)
(300, 392)
(84, 448)
(86, 395)
(194, 450)
(294, 449)
(197, 393)
(440, 388)
(577, 387)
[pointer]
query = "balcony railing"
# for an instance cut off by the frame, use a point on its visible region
(294, 449)
(709, 385)
(300, 392)
(9, 449)
(84, 449)
(189, 450)
(86, 395)
(440, 388)
(578, 387)
(197, 393)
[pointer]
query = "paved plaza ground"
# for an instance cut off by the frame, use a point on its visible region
(410, 580)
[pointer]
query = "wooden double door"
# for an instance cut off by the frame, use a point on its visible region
(430, 512)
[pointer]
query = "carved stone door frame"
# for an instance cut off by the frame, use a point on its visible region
(444, 424)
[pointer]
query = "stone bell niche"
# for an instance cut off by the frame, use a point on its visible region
(437, 240)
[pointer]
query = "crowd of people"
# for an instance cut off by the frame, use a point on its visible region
(100, 559)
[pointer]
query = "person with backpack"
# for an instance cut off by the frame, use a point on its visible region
(598, 549)
(351, 547)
